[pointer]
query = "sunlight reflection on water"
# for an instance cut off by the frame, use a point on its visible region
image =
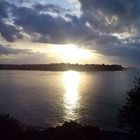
(51, 98)
(71, 81)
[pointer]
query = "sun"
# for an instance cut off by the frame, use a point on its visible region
(71, 52)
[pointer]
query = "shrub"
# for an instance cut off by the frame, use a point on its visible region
(129, 113)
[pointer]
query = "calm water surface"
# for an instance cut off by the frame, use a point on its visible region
(50, 98)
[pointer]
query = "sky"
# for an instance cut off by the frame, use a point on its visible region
(70, 31)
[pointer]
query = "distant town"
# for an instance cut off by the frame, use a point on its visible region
(62, 67)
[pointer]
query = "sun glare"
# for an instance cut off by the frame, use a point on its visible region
(71, 84)
(71, 52)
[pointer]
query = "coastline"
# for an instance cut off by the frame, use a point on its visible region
(63, 67)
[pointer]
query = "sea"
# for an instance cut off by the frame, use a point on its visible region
(45, 98)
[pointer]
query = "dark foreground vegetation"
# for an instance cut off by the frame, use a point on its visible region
(11, 129)
(129, 113)
(62, 67)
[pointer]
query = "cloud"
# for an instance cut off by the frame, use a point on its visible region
(7, 31)
(118, 25)
(111, 27)
(112, 16)
(50, 8)
(50, 29)
(45, 23)
(10, 55)
(3, 9)
(4, 50)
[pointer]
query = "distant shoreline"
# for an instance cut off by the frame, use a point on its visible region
(62, 67)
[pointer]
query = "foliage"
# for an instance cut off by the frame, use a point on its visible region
(9, 127)
(129, 113)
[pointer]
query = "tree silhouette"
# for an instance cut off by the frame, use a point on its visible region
(129, 113)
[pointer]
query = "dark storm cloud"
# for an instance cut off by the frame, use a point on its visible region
(128, 50)
(108, 6)
(3, 9)
(51, 29)
(111, 27)
(60, 28)
(50, 8)
(112, 15)
(4, 50)
(115, 16)
(7, 31)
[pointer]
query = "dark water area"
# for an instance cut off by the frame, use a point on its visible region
(50, 98)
